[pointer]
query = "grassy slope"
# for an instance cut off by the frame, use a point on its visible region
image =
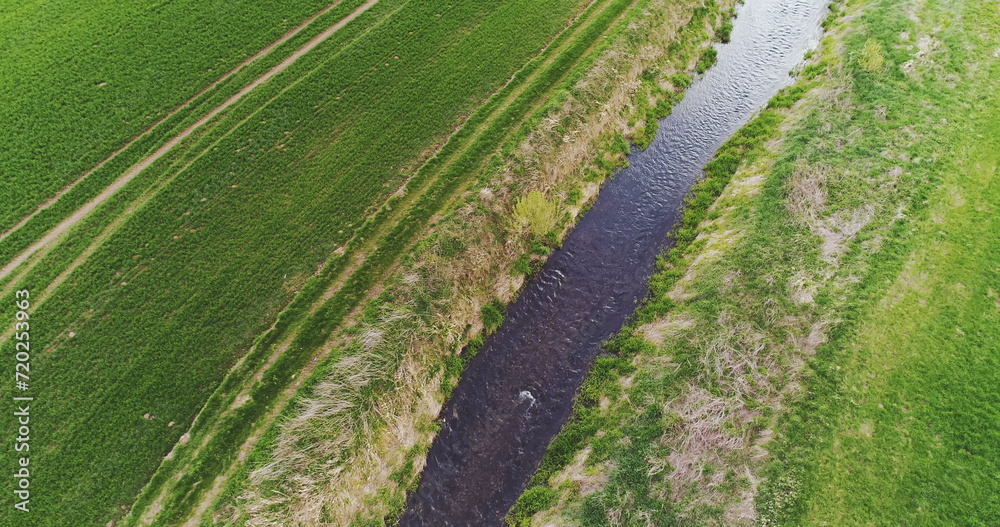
(152, 57)
(795, 253)
(910, 433)
(228, 282)
(919, 444)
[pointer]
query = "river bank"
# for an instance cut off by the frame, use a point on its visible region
(792, 365)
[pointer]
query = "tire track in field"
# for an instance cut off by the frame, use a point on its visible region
(153, 508)
(218, 484)
(174, 171)
(260, 54)
(56, 234)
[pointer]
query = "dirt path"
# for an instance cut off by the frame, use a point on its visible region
(262, 53)
(60, 230)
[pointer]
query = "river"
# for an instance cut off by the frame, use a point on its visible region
(518, 391)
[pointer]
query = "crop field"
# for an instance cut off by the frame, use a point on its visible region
(151, 296)
(79, 79)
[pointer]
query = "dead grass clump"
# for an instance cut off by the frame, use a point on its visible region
(807, 200)
(586, 479)
(803, 288)
(850, 222)
(700, 440)
(807, 195)
(834, 97)
(735, 358)
(669, 326)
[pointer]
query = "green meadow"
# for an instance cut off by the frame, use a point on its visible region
(900, 423)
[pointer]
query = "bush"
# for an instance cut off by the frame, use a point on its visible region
(537, 213)
(533, 500)
(724, 32)
(681, 80)
(523, 265)
(492, 316)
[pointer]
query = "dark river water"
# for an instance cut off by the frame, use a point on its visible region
(518, 392)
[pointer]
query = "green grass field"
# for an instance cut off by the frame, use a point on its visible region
(915, 438)
(171, 279)
(79, 79)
